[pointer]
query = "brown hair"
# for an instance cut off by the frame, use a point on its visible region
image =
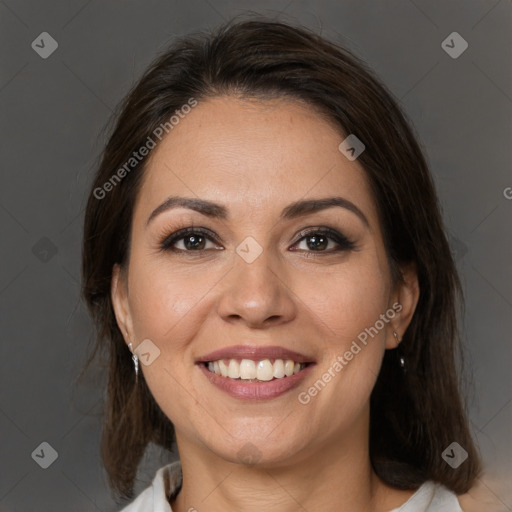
(413, 416)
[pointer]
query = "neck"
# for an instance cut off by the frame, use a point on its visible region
(333, 477)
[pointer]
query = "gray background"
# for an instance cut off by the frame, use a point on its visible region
(53, 111)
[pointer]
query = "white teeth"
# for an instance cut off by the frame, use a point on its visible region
(223, 368)
(278, 369)
(247, 369)
(233, 369)
(263, 370)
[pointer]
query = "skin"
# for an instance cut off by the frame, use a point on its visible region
(255, 158)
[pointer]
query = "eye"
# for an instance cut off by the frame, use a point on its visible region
(324, 240)
(319, 240)
(189, 240)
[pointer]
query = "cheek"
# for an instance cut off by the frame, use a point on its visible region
(346, 308)
(169, 308)
(347, 300)
(162, 300)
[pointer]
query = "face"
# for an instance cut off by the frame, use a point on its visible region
(255, 283)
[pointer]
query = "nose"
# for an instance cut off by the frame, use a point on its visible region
(257, 294)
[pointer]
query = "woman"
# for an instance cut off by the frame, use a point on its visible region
(264, 257)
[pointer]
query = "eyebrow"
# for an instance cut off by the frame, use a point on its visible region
(292, 211)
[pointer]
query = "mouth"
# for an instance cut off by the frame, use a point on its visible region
(250, 370)
(255, 373)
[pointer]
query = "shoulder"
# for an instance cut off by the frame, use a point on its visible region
(155, 498)
(431, 497)
(481, 497)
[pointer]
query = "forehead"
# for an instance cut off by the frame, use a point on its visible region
(253, 154)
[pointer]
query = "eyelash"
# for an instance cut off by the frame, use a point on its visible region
(344, 243)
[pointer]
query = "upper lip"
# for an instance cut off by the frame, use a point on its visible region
(256, 353)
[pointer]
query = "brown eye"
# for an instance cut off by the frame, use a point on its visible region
(316, 242)
(194, 242)
(325, 240)
(189, 240)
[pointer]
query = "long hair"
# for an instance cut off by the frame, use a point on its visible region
(415, 416)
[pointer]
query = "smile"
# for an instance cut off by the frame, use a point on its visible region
(255, 370)
(255, 373)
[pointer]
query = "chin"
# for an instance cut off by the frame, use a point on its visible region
(257, 451)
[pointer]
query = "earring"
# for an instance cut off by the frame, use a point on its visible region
(135, 360)
(401, 357)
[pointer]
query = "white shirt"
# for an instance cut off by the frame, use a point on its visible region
(430, 497)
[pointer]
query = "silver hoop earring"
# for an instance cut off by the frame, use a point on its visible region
(135, 360)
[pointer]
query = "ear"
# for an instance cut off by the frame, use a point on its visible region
(404, 299)
(119, 296)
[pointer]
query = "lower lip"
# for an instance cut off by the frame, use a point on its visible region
(255, 391)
